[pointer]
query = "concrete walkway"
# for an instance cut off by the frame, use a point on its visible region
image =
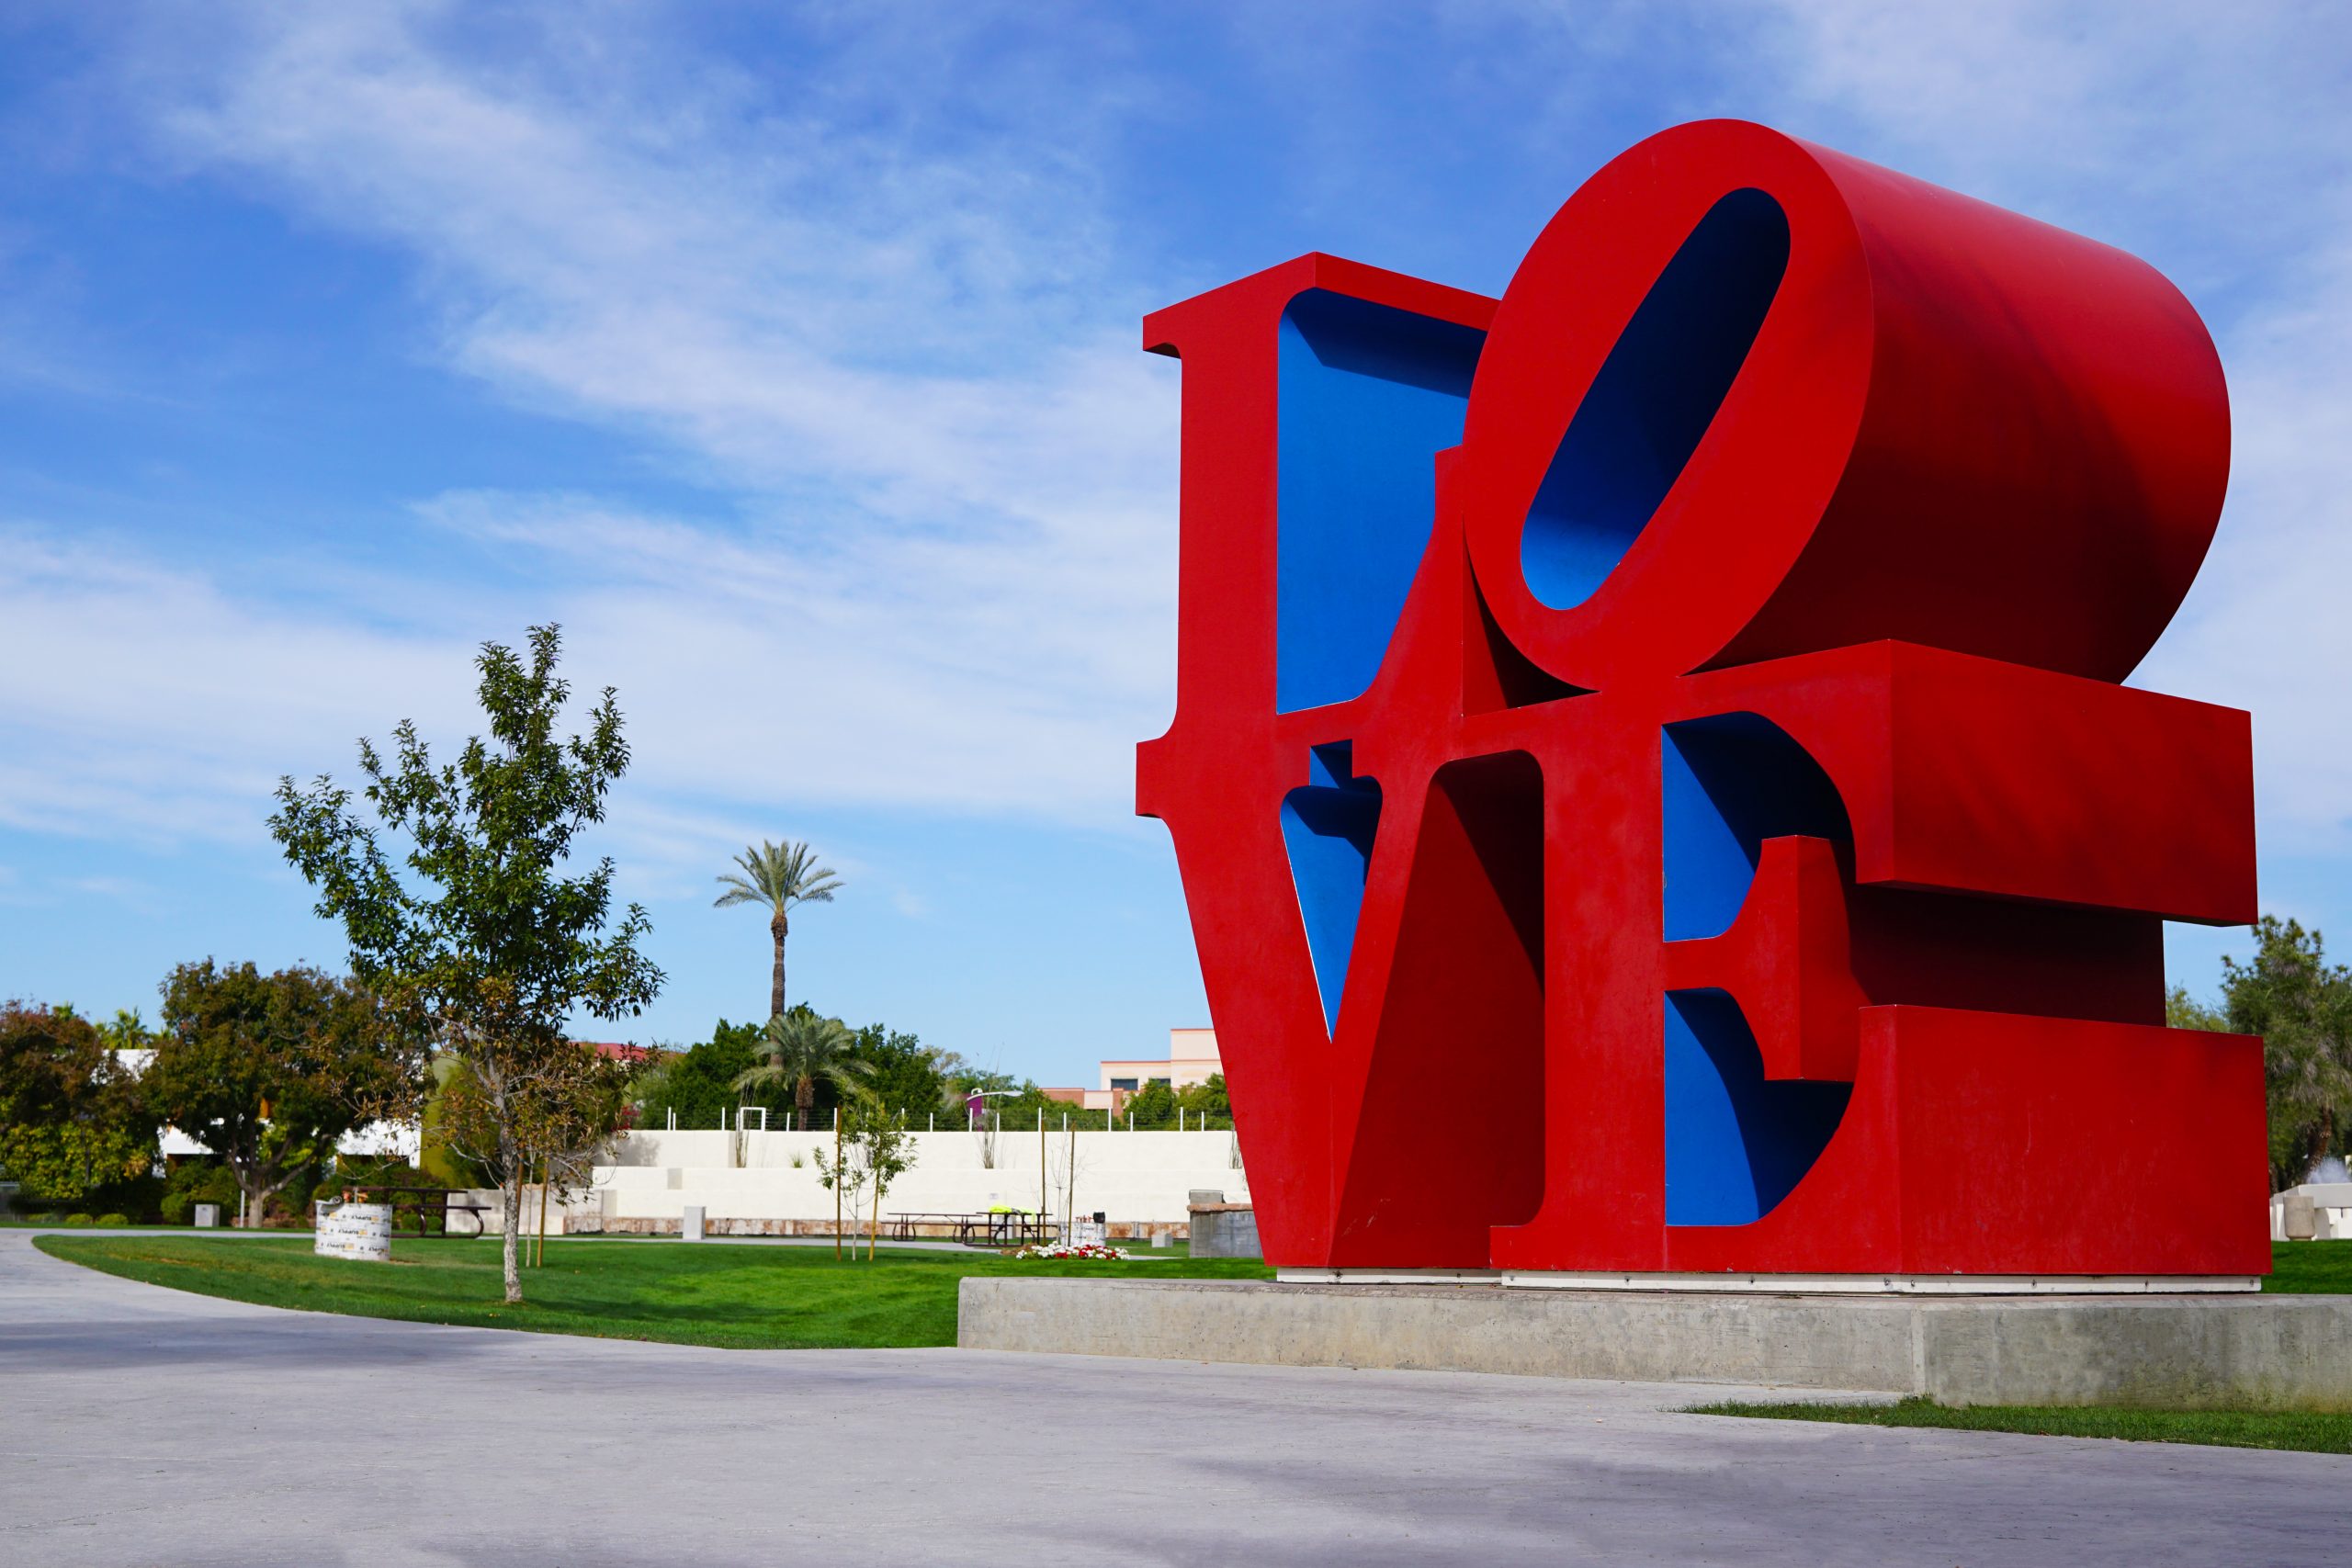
(143, 1425)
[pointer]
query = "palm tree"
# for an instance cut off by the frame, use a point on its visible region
(779, 875)
(802, 1048)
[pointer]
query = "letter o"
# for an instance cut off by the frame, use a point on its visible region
(1748, 398)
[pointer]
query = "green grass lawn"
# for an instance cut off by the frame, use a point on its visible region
(2310, 1431)
(749, 1297)
(2310, 1268)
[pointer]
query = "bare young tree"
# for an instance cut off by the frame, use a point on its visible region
(1066, 1165)
(875, 1150)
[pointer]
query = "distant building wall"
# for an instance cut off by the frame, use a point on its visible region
(1191, 1059)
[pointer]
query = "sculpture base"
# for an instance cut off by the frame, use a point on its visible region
(1798, 1285)
(2171, 1351)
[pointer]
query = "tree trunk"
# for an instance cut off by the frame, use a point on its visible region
(803, 1096)
(510, 1202)
(256, 1204)
(776, 983)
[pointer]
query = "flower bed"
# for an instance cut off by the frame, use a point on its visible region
(1088, 1250)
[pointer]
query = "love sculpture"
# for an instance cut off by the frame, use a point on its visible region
(1650, 773)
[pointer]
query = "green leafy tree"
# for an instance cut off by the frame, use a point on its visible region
(72, 1120)
(268, 1070)
(802, 1050)
(438, 1155)
(127, 1032)
(1015, 1104)
(2184, 1012)
(1152, 1106)
(903, 1073)
(580, 1106)
(2301, 1006)
(1156, 1105)
(778, 876)
(1205, 1103)
(698, 1083)
(479, 938)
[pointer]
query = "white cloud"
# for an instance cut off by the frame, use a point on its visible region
(2265, 628)
(942, 570)
(142, 700)
(2209, 140)
(145, 700)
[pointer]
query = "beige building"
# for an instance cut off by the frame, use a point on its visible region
(1191, 1059)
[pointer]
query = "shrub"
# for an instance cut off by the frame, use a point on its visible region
(293, 1200)
(79, 1220)
(139, 1197)
(194, 1182)
(114, 1219)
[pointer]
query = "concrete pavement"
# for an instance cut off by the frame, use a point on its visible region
(146, 1427)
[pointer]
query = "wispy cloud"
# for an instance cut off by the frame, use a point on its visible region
(936, 567)
(2211, 141)
(141, 699)
(881, 319)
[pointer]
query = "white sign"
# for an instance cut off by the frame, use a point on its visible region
(363, 1231)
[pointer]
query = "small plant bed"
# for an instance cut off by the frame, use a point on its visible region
(2307, 1432)
(1086, 1252)
(736, 1297)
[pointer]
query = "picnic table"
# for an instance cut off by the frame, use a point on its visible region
(429, 1206)
(1000, 1226)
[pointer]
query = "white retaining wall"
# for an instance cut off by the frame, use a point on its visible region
(1132, 1178)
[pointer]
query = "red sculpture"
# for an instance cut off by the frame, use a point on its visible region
(1650, 772)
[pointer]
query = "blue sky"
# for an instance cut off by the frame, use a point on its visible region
(788, 357)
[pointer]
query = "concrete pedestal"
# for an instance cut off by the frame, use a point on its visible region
(1220, 1229)
(2157, 1350)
